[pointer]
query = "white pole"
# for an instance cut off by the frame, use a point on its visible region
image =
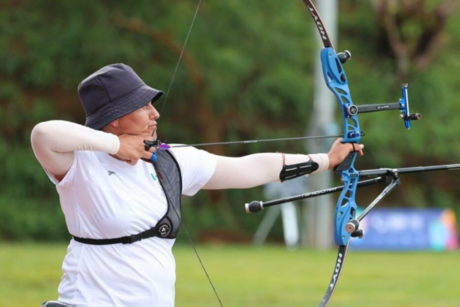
(319, 212)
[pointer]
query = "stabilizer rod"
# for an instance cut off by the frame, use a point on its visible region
(408, 170)
(256, 206)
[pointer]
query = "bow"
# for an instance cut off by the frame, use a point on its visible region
(346, 224)
(346, 221)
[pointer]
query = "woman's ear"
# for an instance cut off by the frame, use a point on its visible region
(111, 127)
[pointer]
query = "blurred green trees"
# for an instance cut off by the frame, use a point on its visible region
(247, 73)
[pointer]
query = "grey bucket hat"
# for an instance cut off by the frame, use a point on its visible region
(112, 92)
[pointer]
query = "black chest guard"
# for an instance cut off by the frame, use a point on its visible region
(170, 178)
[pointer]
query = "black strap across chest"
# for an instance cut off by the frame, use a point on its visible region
(170, 179)
(152, 232)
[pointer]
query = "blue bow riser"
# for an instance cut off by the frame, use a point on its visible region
(337, 82)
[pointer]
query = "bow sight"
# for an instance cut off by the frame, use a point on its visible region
(402, 105)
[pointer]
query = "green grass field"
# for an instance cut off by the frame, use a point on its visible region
(269, 276)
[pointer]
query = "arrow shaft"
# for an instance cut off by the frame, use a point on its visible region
(250, 141)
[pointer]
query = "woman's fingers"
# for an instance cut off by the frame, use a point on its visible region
(357, 147)
(339, 151)
(135, 147)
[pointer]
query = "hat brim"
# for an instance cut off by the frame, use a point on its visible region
(125, 105)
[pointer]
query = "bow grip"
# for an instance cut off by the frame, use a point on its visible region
(347, 162)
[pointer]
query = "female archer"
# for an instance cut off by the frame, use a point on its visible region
(121, 208)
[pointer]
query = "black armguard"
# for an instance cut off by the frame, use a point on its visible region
(296, 170)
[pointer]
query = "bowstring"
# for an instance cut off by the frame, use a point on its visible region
(161, 111)
(180, 56)
(191, 242)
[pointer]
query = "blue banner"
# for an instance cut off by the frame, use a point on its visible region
(408, 229)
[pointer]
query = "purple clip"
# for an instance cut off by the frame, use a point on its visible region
(164, 146)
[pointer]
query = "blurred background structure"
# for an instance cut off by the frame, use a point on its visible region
(247, 73)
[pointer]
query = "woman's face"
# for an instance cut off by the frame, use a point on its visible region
(143, 121)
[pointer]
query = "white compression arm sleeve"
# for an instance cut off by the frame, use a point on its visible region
(54, 143)
(257, 169)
